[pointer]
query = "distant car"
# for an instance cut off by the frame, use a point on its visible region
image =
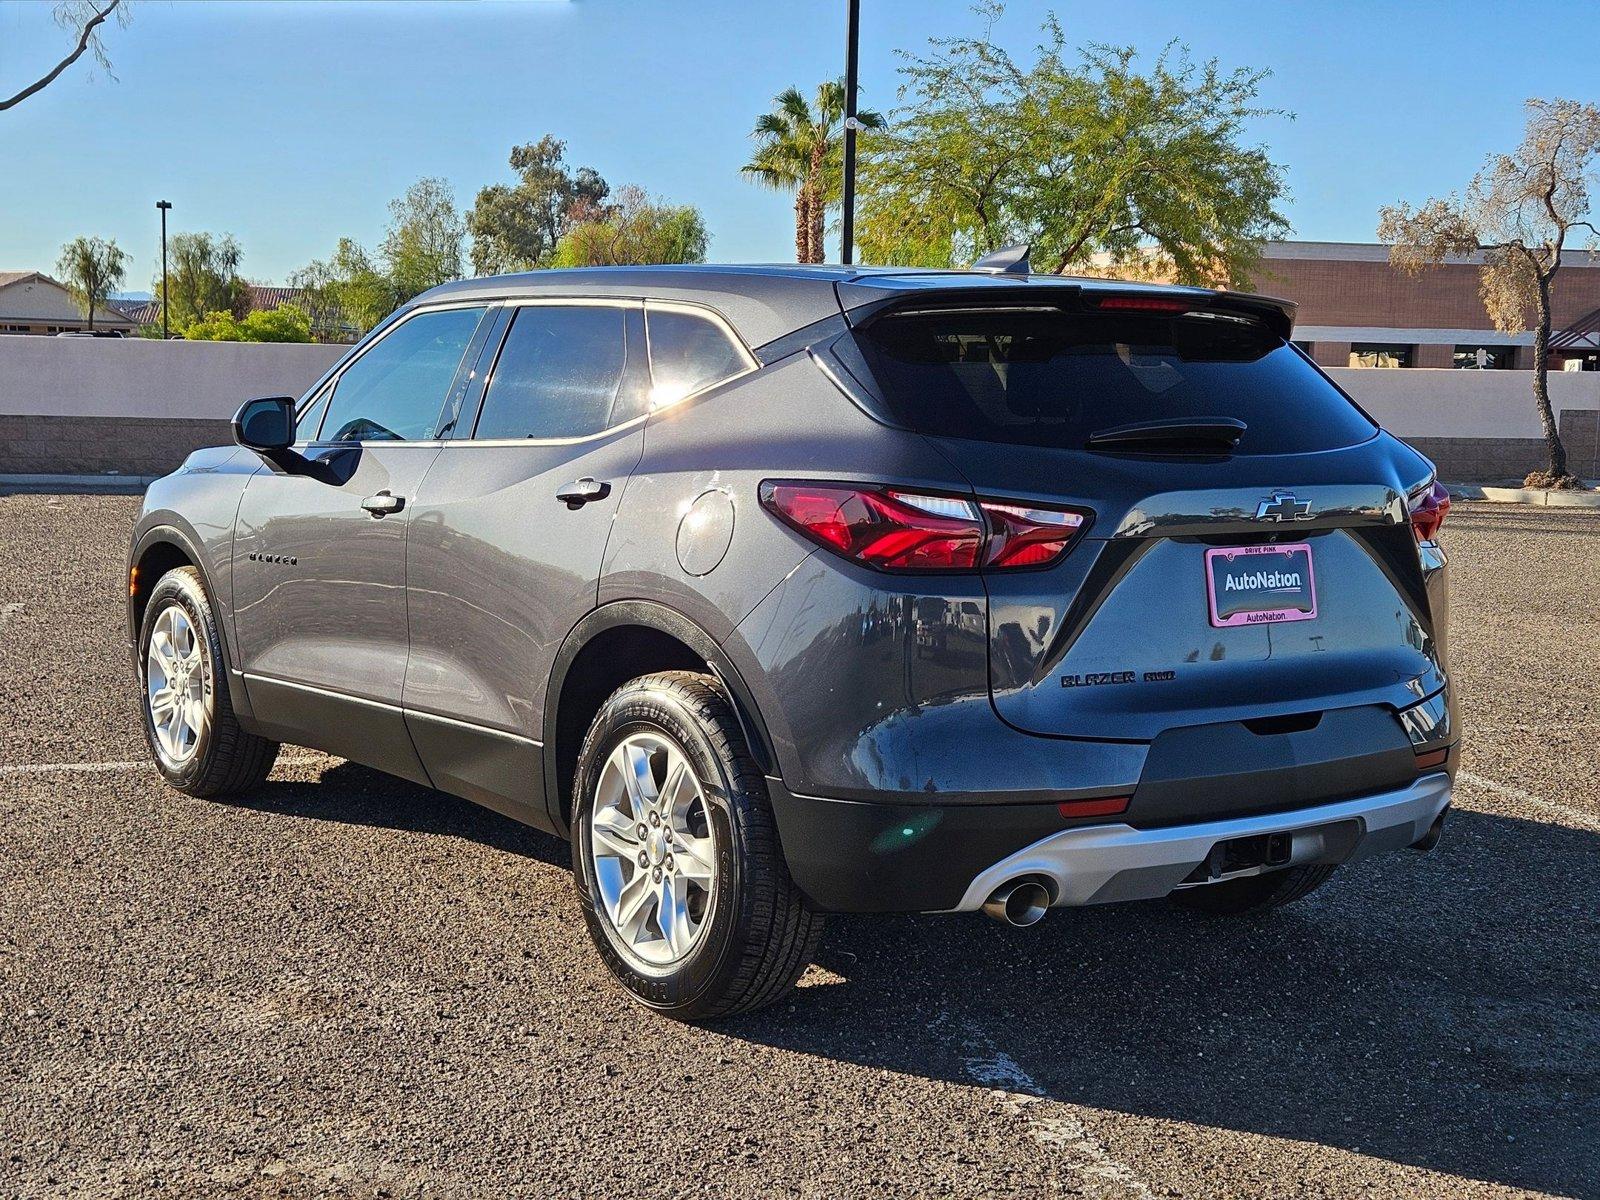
(91, 333)
(794, 590)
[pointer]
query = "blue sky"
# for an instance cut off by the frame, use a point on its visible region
(291, 124)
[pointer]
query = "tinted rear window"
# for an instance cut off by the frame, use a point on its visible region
(1045, 377)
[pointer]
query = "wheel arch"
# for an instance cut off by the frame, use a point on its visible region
(613, 644)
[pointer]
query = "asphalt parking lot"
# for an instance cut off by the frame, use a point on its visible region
(348, 985)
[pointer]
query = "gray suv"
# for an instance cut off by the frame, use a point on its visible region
(792, 590)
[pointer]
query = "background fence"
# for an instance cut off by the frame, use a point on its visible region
(137, 407)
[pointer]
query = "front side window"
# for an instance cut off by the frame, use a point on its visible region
(1377, 354)
(558, 374)
(395, 391)
(688, 352)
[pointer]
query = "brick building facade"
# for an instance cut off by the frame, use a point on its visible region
(1355, 310)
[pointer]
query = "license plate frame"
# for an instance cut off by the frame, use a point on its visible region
(1286, 560)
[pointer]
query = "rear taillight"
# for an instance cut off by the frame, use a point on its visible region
(1429, 507)
(897, 530)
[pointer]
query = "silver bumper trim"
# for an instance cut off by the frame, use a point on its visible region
(1100, 864)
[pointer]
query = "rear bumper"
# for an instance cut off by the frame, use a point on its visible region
(850, 856)
(1109, 863)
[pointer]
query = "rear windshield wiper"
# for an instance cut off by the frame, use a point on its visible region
(1192, 433)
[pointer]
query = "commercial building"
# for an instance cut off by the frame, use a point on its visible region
(1358, 311)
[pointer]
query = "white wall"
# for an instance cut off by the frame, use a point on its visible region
(1463, 404)
(138, 377)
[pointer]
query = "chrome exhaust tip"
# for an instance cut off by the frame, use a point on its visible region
(1021, 903)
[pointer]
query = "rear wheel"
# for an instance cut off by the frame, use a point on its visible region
(196, 741)
(676, 855)
(1254, 892)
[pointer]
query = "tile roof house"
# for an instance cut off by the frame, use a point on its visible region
(32, 302)
(261, 298)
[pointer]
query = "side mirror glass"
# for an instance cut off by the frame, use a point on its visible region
(266, 424)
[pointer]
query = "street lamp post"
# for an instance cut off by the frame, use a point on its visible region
(163, 205)
(847, 225)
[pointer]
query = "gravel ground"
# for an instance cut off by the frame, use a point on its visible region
(351, 986)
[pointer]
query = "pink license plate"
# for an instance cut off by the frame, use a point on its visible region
(1260, 585)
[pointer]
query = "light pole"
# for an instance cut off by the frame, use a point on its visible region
(847, 224)
(163, 205)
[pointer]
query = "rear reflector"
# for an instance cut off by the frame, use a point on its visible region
(896, 530)
(1432, 758)
(1429, 507)
(1106, 806)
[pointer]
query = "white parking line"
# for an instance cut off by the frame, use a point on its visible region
(1051, 1123)
(102, 768)
(1578, 817)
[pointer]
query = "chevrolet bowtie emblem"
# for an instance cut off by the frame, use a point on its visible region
(1283, 506)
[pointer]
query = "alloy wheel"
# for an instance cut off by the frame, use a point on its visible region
(653, 849)
(178, 685)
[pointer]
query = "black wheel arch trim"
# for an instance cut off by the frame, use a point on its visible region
(180, 538)
(648, 614)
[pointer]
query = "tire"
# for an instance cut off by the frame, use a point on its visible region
(755, 933)
(1254, 892)
(221, 758)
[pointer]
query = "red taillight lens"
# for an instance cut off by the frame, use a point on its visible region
(1428, 511)
(896, 530)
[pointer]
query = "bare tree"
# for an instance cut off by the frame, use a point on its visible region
(1519, 211)
(83, 18)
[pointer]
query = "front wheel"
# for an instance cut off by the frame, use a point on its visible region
(196, 741)
(676, 855)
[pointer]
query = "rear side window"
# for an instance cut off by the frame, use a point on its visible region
(688, 352)
(558, 373)
(1046, 377)
(396, 390)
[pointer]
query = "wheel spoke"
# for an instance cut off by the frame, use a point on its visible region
(615, 834)
(637, 778)
(162, 701)
(633, 905)
(679, 790)
(695, 858)
(672, 915)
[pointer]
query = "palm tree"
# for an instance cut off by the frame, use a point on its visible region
(798, 147)
(92, 268)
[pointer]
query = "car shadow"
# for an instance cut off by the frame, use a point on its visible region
(1438, 1010)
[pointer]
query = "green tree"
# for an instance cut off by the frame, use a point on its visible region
(84, 19)
(516, 227)
(286, 323)
(1081, 154)
(799, 149)
(634, 230)
(344, 289)
(92, 268)
(1519, 212)
(203, 275)
(422, 248)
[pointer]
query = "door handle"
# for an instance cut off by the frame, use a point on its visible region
(383, 504)
(580, 491)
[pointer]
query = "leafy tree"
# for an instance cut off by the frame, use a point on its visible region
(84, 19)
(422, 248)
(516, 227)
(634, 230)
(344, 289)
(286, 323)
(1081, 154)
(1519, 211)
(799, 148)
(92, 268)
(203, 274)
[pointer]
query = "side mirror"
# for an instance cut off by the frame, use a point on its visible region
(266, 424)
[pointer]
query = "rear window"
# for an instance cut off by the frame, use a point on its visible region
(1046, 377)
